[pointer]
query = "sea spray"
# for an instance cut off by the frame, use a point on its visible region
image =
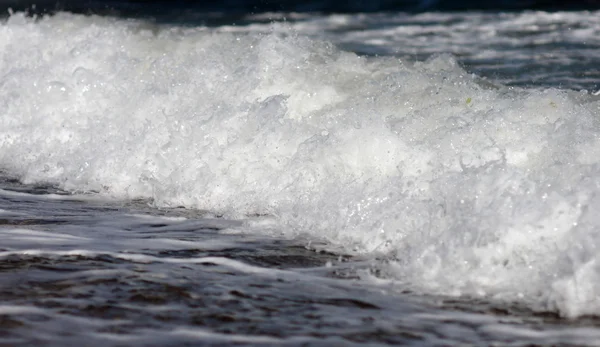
(466, 187)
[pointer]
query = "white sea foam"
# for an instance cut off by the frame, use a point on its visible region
(470, 188)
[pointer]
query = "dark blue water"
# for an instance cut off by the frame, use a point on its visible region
(164, 9)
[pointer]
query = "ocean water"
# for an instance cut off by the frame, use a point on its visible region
(300, 179)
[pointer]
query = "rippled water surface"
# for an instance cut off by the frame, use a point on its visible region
(79, 270)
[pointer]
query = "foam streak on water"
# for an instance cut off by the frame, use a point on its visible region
(467, 187)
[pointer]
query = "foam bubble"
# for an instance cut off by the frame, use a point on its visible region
(469, 188)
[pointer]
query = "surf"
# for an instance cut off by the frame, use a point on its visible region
(464, 187)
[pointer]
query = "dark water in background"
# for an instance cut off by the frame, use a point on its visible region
(166, 9)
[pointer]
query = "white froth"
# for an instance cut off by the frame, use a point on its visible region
(471, 189)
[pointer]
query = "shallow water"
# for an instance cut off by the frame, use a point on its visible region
(81, 270)
(260, 184)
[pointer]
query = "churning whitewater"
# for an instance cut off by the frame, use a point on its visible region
(462, 186)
